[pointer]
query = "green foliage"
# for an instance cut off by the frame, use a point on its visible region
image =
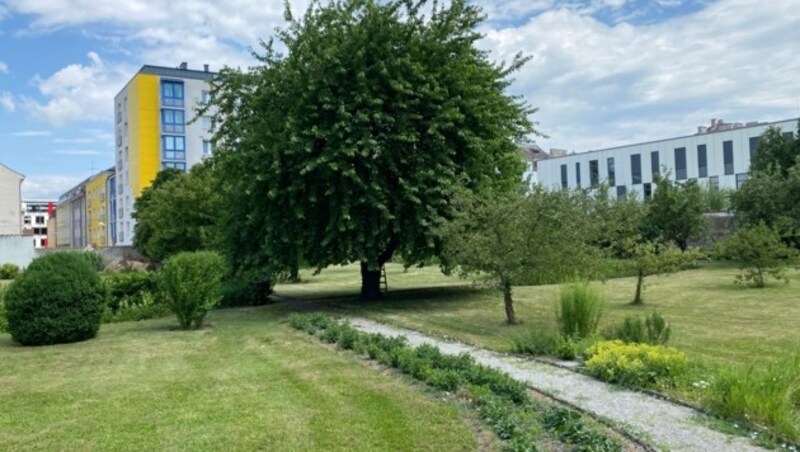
(635, 365)
(760, 395)
(759, 252)
(3, 320)
(513, 238)
(9, 271)
(345, 146)
(614, 220)
(250, 287)
(177, 214)
(93, 258)
(191, 284)
(579, 309)
(675, 212)
(715, 199)
(126, 288)
(570, 427)
(58, 299)
(776, 153)
(653, 330)
(654, 258)
(542, 342)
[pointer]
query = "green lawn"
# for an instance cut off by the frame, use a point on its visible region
(712, 319)
(246, 382)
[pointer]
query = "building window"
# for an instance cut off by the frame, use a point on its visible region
(622, 191)
(171, 93)
(680, 163)
(727, 155)
(636, 169)
(612, 173)
(702, 161)
(655, 165)
(207, 122)
(648, 190)
(174, 147)
(564, 184)
(578, 174)
(740, 178)
(205, 97)
(39, 219)
(754, 147)
(176, 165)
(714, 181)
(208, 148)
(594, 173)
(172, 121)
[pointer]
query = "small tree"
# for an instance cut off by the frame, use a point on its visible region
(191, 283)
(759, 252)
(655, 258)
(675, 212)
(513, 238)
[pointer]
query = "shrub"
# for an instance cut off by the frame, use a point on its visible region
(93, 258)
(191, 285)
(537, 342)
(653, 330)
(130, 289)
(3, 321)
(759, 252)
(250, 288)
(580, 307)
(760, 396)
(58, 299)
(570, 428)
(9, 271)
(635, 365)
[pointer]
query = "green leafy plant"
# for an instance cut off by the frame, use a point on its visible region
(9, 271)
(579, 310)
(653, 330)
(190, 282)
(635, 365)
(130, 288)
(760, 254)
(537, 342)
(93, 258)
(655, 258)
(58, 299)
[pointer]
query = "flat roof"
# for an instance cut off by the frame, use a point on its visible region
(760, 124)
(177, 72)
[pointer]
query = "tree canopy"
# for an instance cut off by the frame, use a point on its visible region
(347, 147)
(675, 212)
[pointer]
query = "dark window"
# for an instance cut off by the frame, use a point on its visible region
(612, 173)
(636, 169)
(680, 163)
(740, 178)
(655, 165)
(727, 155)
(174, 148)
(702, 161)
(172, 121)
(578, 174)
(754, 147)
(622, 191)
(594, 173)
(714, 181)
(648, 190)
(171, 93)
(564, 183)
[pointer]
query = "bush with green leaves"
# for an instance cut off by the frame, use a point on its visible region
(58, 299)
(579, 309)
(544, 342)
(652, 330)
(247, 288)
(759, 395)
(759, 252)
(3, 321)
(191, 284)
(93, 258)
(9, 271)
(635, 365)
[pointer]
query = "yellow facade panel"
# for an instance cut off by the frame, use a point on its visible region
(96, 210)
(144, 143)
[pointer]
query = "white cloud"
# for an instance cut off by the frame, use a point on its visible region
(48, 186)
(7, 102)
(3, 68)
(79, 92)
(32, 133)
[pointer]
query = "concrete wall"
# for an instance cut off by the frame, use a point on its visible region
(17, 250)
(10, 202)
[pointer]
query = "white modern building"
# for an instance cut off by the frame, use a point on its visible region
(36, 213)
(156, 128)
(718, 155)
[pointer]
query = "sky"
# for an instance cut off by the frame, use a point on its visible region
(602, 72)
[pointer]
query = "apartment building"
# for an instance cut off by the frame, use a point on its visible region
(719, 155)
(157, 126)
(36, 214)
(10, 201)
(82, 213)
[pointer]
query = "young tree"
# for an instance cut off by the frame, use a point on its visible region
(142, 232)
(675, 212)
(759, 252)
(506, 239)
(776, 153)
(655, 258)
(345, 148)
(615, 220)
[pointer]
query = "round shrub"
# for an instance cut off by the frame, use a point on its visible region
(58, 299)
(191, 284)
(9, 271)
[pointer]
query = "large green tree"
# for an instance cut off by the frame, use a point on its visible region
(675, 212)
(346, 146)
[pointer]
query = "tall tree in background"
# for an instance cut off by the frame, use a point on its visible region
(675, 213)
(143, 231)
(347, 148)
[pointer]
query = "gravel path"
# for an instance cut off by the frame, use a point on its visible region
(663, 424)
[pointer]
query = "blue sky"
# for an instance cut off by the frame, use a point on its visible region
(603, 72)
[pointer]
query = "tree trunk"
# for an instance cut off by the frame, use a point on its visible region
(511, 317)
(370, 283)
(637, 300)
(294, 275)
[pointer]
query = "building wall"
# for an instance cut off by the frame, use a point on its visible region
(96, 213)
(17, 250)
(10, 202)
(52, 229)
(35, 218)
(64, 223)
(550, 170)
